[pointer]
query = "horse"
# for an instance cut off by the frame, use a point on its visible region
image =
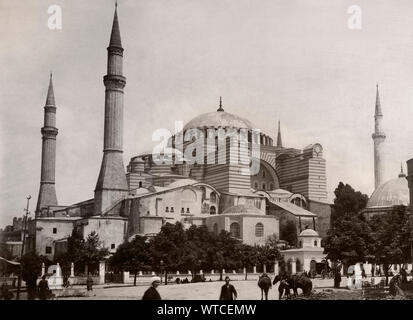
(295, 282)
(264, 282)
(284, 286)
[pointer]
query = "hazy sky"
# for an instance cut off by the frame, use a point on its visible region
(296, 61)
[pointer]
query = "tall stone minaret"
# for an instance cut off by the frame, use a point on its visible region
(111, 185)
(47, 192)
(378, 138)
(279, 139)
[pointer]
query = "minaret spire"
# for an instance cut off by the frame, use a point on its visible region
(279, 139)
(401, 174)
(111, 185)
(47, 193)
(220, 104)
(378, 138)
(115, 40)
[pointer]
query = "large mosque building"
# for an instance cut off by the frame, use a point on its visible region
(290, 184)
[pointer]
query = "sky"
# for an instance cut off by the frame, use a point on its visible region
(295, 61)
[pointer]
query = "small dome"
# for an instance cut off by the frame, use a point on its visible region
(309, 233)
(218, 119)
(391, 193)
(242, 208)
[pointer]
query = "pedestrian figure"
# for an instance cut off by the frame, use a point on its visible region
(228, 291)
(44, 290)
(89, 284)
(151, 293)
(31, 283)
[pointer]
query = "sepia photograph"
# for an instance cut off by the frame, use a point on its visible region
(182, 150)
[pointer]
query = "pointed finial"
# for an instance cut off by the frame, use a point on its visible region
(279, 138)
(50, 101)
(401, 174)
(115, 40)
(378, 105)
(220, 104)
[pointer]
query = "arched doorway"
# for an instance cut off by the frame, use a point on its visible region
(313, 267)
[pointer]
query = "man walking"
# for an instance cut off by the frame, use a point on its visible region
(151, 293)
(43, 288)
(89, 285)
(228, 291)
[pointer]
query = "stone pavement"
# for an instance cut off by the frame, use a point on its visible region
(247, 290)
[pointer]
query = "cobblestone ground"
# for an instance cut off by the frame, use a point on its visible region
(247, 290)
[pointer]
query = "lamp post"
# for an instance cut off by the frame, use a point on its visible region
(161, 263)
(19, 282)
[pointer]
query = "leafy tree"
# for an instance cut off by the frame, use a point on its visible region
(169, 247)
(348, 240)
(133, 256)
(349, 235)
(347, 201)
(85, 254)
(289, 233)
(390, 239)
(249, 257)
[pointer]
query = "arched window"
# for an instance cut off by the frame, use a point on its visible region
(263, 186)
(259, 230)
(315, 243)
(212, 210)
(213, 197)
(216, 229)
(140, 184)
(256, 185)
(234, 230)
(263, 174)
(203, 194)
(271, 186)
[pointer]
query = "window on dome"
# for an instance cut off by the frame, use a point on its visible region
(315, 243)
(263, 186)
(255, 185)
(259, 230)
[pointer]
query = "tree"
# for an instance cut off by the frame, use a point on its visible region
(289, 233)
(348, 239)
(133, 256)
(249, 257)
(347, 201)
(349, 235)
(169, 246)
(390, 239)
(85, 254)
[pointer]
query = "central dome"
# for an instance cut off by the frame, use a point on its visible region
(391, 193)
(218, 119)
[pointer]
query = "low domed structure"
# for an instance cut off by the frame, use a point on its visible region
(394, 192)
(309, 233)
(391, 193)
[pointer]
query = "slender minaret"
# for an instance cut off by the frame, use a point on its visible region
(279, 139)
(47, 192)
(378, 138)
(111, 185)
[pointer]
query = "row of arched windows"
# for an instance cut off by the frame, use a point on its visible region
(234, 229)
(263, 186)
